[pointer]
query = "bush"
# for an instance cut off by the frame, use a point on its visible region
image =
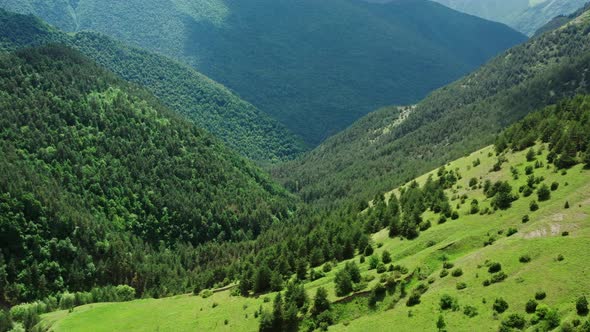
(446, 302)
(414, 299)
(125, 293)
(66, 301)
(543, 193)
(381, 268)
(567, 205)
(524, 259)
(514, 321)
(486, 283)
(386, 257)
(327, 267)
(531, 306)
(444, 273)
(461, 285)
(470, 311)
(560, 257)
(455, 215)
(554, 186)
(206, 293)
(582, 306)
(373, 262)
(495, 267)
(533, 206)
(448, 265)
(525, 219)
(511, 231)
(5, 321)
(457, 272)
(498, 277)
(540, 295)
(500, 305)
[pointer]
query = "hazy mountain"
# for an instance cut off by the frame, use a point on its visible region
(314, 65)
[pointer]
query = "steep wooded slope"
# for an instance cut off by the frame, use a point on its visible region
(102, 185)
(372, 156)
(209, 104)
(316, 66)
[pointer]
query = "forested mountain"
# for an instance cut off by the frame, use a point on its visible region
(102, 185)
(314, 65)
(384, 150)
(526, 16)
(209, 104)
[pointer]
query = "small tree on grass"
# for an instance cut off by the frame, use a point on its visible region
(440, 323)
(320, 302)
(582, 306)
(514, 321)
(531, 306)
(543, 193)
(446, 302)
(386, 257)
(500, 305)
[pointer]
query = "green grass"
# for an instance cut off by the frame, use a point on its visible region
(460, 241)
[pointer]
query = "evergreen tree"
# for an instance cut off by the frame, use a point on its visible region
(320, 302)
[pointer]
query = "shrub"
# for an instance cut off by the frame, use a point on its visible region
(457, 272)
(206, 293)
(369, 250)
(486, 283)
(461, 285)
(386, 257)
(500, 305)
(448, 265)
(66, 301)
(525, 219)
(470, 311)
(514, 321)
(531, 306)
(327, 267)
(125, 293)
(533, 206)
(444, 273)
(511, 231)
(381, 268)
(414, 299)
(446, 302)
(566, 233)
(560, 257)
(498, 277)
(528, 170)
(377, 294)
(554, 186)
(442, 220)
(543, 193)
(5, 321)
(495, 267)
(455, 215)
(373, 262)
(524, 259)
(527, 191)
(582, 305)
(540, 295)
(567, 205)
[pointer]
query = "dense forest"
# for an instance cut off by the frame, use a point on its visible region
(97, 174)
(395, 144)
(317, 69)
(213, 107)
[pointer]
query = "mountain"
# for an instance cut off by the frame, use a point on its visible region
(526, 16)
(503, 260)
(316, 66)
(395, 144)
(212, 106)
(101, 184)
(561, 20)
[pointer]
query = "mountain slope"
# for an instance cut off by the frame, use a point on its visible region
(372, 156)
(524, 252)
(317, 69)
(209, 104)
(101, 183)
(526, 16)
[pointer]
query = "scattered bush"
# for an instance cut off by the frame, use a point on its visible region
(457, 272)
(444, 273)
(386, 257)
(414, 299)
(511, 231)
(531, 306)
(461, 285)
(543, 193)
(524, 259)
(486, 283)
(514, 321)
(381, 268)
(446, 302)
(494, 267)
(582, 306)
(533, 206)
(500, 305)
(525, 219)
(565, 233)
(448, 265)
(498, 277)
(567, 205)
(560, 257)
(470, 311)
(206, 293)
(554, 186)
(540, 295)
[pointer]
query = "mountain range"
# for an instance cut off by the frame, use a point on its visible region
(315, 66)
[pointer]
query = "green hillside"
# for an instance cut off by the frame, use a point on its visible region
(496, 263)
(209, 104)
(383, 150)
(317, 69)
(102, 185)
